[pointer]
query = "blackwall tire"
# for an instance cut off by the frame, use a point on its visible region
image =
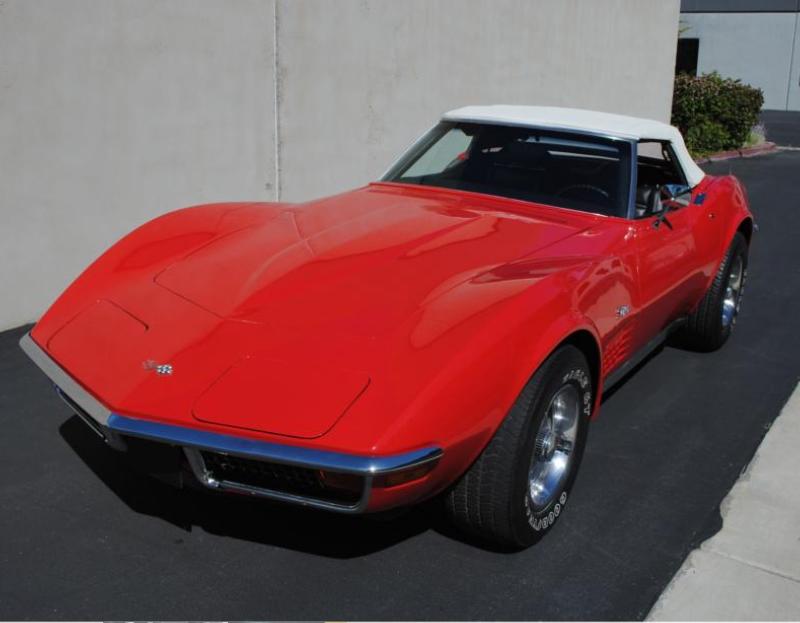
(710, 325)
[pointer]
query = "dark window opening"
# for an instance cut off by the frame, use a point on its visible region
(656, 166)
(562, 169)
(686, 59)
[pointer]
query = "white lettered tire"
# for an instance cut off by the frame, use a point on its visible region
(519, 486)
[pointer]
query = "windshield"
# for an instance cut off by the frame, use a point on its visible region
(563, 169)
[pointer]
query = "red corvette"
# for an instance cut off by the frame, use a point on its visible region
(447, 330)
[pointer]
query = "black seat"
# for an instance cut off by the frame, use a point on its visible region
(646, 200)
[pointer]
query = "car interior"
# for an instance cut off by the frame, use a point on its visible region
(656, 167)
(562, 169)
(570, 170)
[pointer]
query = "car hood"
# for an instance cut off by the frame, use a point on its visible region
(281, 319)
(359, 262)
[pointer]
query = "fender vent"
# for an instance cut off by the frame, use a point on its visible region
(618, 348)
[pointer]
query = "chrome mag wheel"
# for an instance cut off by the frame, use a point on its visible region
(733, 291)
(554, 447)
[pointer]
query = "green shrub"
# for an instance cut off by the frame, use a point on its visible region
(707, 137)
(714, 113)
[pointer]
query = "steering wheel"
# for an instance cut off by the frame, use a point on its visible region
(582, 187)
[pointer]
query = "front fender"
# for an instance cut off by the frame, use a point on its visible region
(495, 352)
(146, 250)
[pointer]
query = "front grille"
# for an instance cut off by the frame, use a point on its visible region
(277, 477)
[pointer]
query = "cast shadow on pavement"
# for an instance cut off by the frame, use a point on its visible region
(257, 520)
(262, 521)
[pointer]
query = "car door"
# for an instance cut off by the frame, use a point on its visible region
(669, 272)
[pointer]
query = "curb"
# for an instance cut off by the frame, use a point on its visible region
(747, 152)
(748, 570)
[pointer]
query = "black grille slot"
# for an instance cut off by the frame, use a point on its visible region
(301, 481)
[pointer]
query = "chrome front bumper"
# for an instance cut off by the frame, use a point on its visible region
(114, 428)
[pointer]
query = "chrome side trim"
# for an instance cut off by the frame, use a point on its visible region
(64, 382)
(267, 451)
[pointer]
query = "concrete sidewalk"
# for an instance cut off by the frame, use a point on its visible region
(749, 570)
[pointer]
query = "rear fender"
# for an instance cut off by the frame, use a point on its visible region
(730, 201)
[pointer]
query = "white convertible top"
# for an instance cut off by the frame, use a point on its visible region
(618, 126)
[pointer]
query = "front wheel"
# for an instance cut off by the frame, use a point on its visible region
(518, 487)
(710, 325)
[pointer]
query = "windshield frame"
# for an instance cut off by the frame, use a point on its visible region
(436, 132)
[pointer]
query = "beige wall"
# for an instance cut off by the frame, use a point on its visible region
(756, 48)
(359, 80)
(114, 111)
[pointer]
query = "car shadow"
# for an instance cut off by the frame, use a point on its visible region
(262, 521)
(257, 520)
(607, 394)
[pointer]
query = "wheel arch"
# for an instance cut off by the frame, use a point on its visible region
(746, 229)
(576, 330)
(585, 341)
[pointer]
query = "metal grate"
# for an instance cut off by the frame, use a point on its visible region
(278, 477)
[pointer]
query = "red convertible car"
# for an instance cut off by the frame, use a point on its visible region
(447, 331)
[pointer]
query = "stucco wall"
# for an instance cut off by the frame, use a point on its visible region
(361, 79)
(114, 111)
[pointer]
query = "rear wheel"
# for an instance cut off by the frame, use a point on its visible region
(710, 325)
(518, 487)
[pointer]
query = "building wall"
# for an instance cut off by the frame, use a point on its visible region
(756, 47)
(112, 112)
(360, 80)
(793, 90)
(757, 41)
(115, 111)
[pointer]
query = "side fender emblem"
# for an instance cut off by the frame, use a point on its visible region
(159, 368)
(622, 311)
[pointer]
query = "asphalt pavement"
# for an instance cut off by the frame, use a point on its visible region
(750, 569)
(83, 536)
(782, 126)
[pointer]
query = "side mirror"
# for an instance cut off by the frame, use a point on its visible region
(674, 196)
(671, 197)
